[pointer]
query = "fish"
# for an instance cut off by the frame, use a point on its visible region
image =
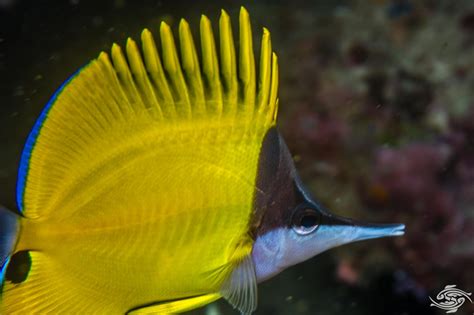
(156, 181)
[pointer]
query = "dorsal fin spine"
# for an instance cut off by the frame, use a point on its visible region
(157, 74)
(191, 69)
(173, 67)
(125, 78)
(265, 71)
(246, 62)
(228, 62)
(143, 85)
(108, 71)
(210, 67)
(273, 102)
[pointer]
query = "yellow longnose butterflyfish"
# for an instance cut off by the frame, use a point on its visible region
(155, 181)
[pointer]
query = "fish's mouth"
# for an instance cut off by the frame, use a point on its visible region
(398, 230)
(370, 231)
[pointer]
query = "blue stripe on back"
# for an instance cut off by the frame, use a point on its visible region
(31, 142)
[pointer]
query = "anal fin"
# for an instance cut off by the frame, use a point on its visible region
(176, 306)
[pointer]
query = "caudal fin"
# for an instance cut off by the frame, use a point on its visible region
(8, 237)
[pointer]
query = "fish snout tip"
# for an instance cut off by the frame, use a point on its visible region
(387, 230)
(398, 229)
(371, 231)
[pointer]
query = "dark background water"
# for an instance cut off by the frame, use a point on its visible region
(376, 103)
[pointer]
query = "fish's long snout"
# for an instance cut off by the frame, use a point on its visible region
(369, 231)
(364, 231)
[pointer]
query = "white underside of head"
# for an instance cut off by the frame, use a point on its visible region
(281, 248)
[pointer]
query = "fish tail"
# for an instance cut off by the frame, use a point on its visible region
(9, 227)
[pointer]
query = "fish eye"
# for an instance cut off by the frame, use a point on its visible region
(305, 221)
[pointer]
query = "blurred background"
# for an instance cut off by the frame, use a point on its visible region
(376, 104)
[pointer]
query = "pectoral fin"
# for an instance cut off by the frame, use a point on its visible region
(176, 306)
(240, 290)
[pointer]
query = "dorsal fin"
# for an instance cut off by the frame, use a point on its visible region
(137, 88)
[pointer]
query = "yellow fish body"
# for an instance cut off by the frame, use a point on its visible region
(140, 188)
